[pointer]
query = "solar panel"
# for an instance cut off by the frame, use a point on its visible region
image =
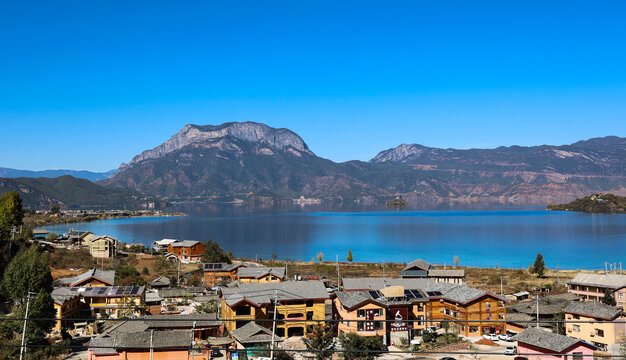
(408, 294)
(417, 294)
(102, 290)
(119, 291)
(433, 293)
(218, 266)
(374, 294)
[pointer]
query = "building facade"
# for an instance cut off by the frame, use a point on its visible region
(592, 287)
(260, 275)
(544, 345)
(596, 323)
(188, 250)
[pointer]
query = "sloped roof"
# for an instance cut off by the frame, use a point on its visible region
(419, 263)
(185, 243)
(153, 296)
(160, 281)
(459, 273)
(546, 340)
(379, 283)
(107, 276)
(263, 293)
(62, 294)
(611, 281)
(98, 237)
(169, 339)
(351, 299)
(180, 292)
(102, 345)
(592, 309)
(519, 317)
(108, 291)
(181, 321)
(125, 327)
(252, 272)
(253, 333)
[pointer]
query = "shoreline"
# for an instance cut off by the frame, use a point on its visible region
(40, 221)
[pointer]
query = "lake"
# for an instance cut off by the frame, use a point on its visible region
(485, 238)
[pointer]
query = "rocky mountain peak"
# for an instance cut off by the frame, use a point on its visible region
(278, 139)
(399, 153)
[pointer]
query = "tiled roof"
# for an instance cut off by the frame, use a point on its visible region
(253, 272)
(153, 296)
(168, 339)
(379, 283)
(446, 273)
(160, 281)
(592, 309)
(180, 292)
(611, 281)
(107, 276)
(62, 294)
(546, 340)
(419, 263)
(253, 333)
(103, 345)
(181, 321)
(108, 291)
(264, 293)
(185, 243)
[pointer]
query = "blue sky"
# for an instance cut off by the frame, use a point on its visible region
(89, 84)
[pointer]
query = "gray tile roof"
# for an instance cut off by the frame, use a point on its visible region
(592, 309)
(350, 299)
(457, 273)
(185, 243)
(107, 276)
(263, 293)
(519, 317)
(62, 294)
(546, 340)
(252, 272)
(379, 283)
(611, 281)
(181, 321)
(103, 345)
(180, 292)
(253, 333)
(153, 296)
(160, 281)
(419, 263)
(168, 339)
(124, 327)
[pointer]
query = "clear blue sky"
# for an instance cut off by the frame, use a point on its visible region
(89, 84)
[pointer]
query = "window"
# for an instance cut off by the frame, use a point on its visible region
(600, 332)
(576, 317)
(360, 313)
(309, 315)
(243, 310)
(360, 326)
(576, 328)
(309, 303)
(578, 356)
(378, 312)
(501, 316)
(620, 295)
(473, 329)
(420, 319)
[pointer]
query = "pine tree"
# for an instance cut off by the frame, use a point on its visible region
(539, 267)
(608, 298)
(349, 257)
(320, 341)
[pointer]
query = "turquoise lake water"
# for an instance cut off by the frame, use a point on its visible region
(503, 237)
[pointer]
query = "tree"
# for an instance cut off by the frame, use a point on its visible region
(52, 236)
(370, 345)
(539, 267)
(165, 267)
(213, 253)
(55, 209)
(349, 257)
(445, 324)
(11, 213)
(128, 275)
(428, 336)
(206, 308)
(29, 271)
(320, 256)
(608, 298)
(321, 341)
(456, 261)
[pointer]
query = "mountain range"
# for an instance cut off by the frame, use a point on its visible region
(244, 160)
(81, 174)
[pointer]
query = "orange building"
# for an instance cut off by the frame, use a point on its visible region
(255, 274)
(188, 250)
(216, 272)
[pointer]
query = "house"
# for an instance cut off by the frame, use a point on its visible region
(114, 301)
(215, 273)
(252, 337)
(187, 250)
(201, 326)
(91, 278)
(162, 244)
(255, 274)
(596, 323)
(79, 237)
(297, 301)
(136, 345)
(593, 286)
(535, 343)
(102, 246)
(421, 269)
(40, 234)
(176, 295)
(160, 283)
(154, 303)
(545, 311)
(366, 312)
(67, 305)
(447, 302)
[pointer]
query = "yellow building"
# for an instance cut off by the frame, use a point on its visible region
(303, 303)
(368, 313)
(582, 321)
(114, 301)
(102, 246)
(214, 273)
(67, 305)
(90, 278)
(260, 275)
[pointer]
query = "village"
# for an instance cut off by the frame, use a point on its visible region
(250, 308)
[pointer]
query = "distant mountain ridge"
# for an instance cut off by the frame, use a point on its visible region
(202, 162)
(81, 174)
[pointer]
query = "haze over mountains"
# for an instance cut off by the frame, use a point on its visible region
(243, 159)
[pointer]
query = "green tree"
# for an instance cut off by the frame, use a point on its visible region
(608, 298)
(213, 253)
(29, 271)
(445, 324)
(349, 257)
(352, 342)
(428, 336)
(128, 275)
(55, 209)
(52, 236)
(206, 308)
(165, 267)
(321, 341)
(539, 267)
(11, 213)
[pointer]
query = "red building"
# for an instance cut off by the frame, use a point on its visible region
(187, 250)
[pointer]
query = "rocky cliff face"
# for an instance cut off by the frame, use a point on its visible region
(211, 136)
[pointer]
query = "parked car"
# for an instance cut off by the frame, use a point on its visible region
(493, 337)
(487, 336)
(520, 358)
(510, 350)
(447, 358)
(505, 337)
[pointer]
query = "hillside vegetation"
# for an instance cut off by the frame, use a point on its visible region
(596, 203)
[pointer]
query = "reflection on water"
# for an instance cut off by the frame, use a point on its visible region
(503, 237)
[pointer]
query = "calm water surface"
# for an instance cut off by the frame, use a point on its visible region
(508, 238)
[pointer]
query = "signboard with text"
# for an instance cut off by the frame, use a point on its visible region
(400, 315)
(369, 317)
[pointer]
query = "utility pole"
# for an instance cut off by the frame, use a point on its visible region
(23, 348)
(274, 325)
(501, 288)
(151, 345)
(383, 269)
(558, 279)
(537, 311)
(178, 277)
(337, 270)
